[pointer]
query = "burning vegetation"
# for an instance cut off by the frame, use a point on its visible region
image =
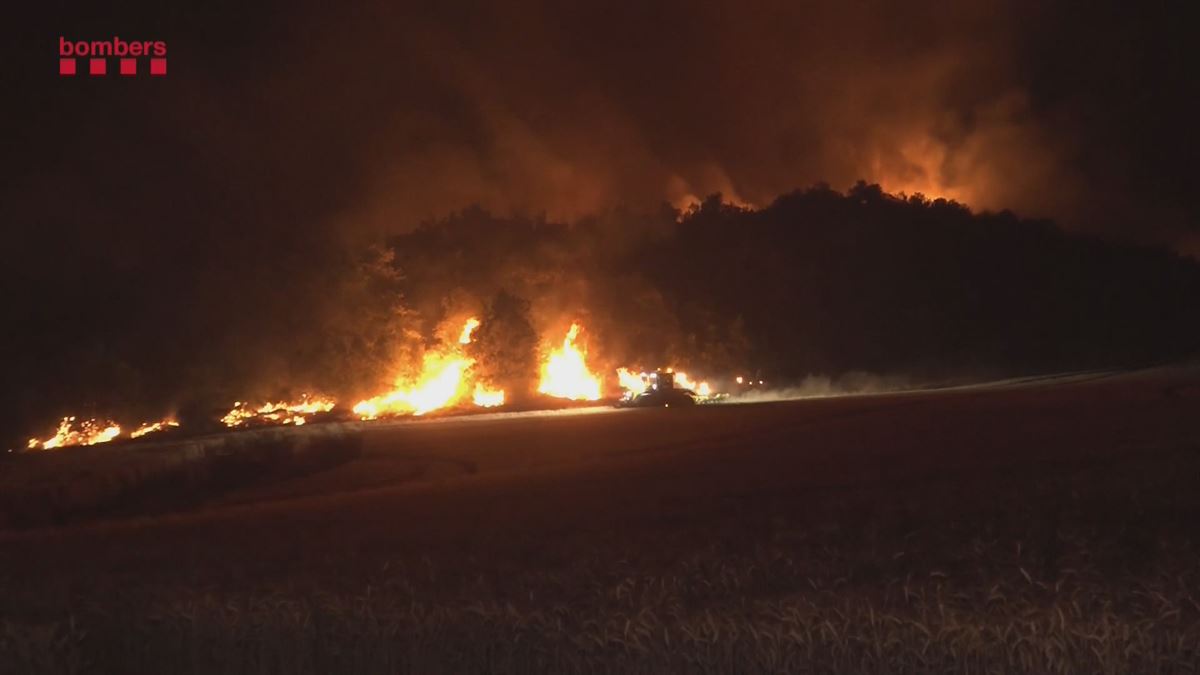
(73, 431)
(81, 432)
(449, 377)
(476, 311)
(282, 412)
(153, 427)
(565, 373)
(444, 380)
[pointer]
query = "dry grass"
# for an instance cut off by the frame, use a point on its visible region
(53, 488)
(966, 597)
(701, 619)
(1065, 559)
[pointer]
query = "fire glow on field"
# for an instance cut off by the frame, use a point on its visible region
(565, 373)
(277, 413)
(444, 380)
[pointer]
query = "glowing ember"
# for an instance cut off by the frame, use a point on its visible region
(487, 398)
(565, 373)
(277, 413)
(150, 428)
(89, 432)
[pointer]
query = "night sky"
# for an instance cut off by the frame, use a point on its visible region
(372, 115)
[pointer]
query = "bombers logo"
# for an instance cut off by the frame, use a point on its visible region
(98, 52)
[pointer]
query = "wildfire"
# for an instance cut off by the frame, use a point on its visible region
(152, 427)
(443, 382)
(90, 432)
(447, 377)
(487, 398)
(277, 413)
(439, 385)
(565, 373)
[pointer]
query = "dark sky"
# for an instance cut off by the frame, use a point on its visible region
(299, 120)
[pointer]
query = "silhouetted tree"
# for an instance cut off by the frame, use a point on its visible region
(505, 346)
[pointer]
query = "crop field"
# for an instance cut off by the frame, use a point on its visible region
(1048, 525)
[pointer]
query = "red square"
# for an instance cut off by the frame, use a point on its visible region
(97, 66)
(129, 66)
(158, 66)
(66, 66)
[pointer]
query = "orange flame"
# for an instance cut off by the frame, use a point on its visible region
(440, 385)
(633, 383)
(701, 389)
(565, 373)
(443, 382)
(277, 413)
(153, 427)
(487, 398)
(90, 432)
(465, 337)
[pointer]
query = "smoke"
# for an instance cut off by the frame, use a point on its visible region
(223, 233)
(540, 108)
(567, 111)
(854, 383)
(817, 282)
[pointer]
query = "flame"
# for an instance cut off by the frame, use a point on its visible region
(471, 325)
(487, 398)
(638, 383)
(633, 383)
(277, 413)
(565, 373)
(442, 382)
(152, 427)
(440, 385)
(90, 432)
(701, 389)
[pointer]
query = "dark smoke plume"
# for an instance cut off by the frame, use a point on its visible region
(222, 233)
